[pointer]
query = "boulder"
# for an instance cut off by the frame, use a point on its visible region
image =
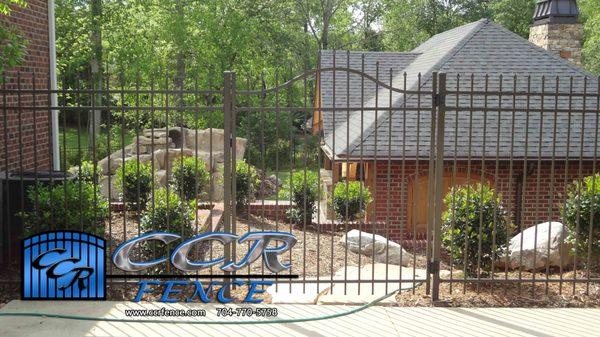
(203, 139)
(216, 185)
(547, 248)
(378, 246)
(156, 141)
(160, 178)
(116, 158)
(104, 188)
(139, 149)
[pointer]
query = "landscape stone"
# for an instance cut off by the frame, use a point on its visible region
(524, 258)
(180, 142)
(383, 249)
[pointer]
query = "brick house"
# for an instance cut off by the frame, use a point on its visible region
(26, 134)
(528, 147)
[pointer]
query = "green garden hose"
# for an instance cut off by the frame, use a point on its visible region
(126, 320)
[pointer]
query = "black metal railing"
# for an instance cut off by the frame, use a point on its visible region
(451, 167)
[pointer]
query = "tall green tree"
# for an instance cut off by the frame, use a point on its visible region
(96, 69)
(12, 44)
(590, 15)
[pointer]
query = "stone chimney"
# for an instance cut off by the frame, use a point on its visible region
(556, 28)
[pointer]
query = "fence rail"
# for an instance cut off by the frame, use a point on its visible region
(481, 168)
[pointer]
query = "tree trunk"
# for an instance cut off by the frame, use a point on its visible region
(96, 72)
(179, 81)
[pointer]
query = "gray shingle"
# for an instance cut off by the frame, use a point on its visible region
(466, 54)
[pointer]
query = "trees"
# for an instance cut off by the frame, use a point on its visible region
(514, 14)
(590, 15)
(12, 44)
(180, 44)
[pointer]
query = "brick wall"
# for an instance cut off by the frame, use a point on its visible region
(25, 136)
(269, 210)
(541, 196)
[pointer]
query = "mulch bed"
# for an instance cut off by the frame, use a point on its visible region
(527, 294)
(320, 253)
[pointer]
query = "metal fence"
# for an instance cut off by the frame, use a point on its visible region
(411, 140)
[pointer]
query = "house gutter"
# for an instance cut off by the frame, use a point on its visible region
(53, 86)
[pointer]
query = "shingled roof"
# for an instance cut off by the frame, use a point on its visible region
(474, 57)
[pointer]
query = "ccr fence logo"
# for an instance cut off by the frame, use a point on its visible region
(65, 265)
(70, 265)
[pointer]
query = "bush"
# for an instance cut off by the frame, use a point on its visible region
(247, 183)
(134, 180)
(351, 197)
(72, 204)
(304, 194)
(471, 209)
(190, 177)
(168, 214)
(583, 206)
(86, 172)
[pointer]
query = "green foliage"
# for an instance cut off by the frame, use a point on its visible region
(74, 144)
(582, 214)
(190, 177)
(350, 199)
(134, 180)
(73, 204)
(13, 46)
(303, 190)
(410, 22)
(590, 16)
(86, 172)
(168, 213)
(246, 183)
(515, 15)
(475, 219)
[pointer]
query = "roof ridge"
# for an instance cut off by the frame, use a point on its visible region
(537, 48)
(425, 77)
(343, 51)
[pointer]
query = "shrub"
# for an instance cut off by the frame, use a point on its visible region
(350, 199)
(86, 172)
(246, 183)
(168, 214)
(135, 182)
(471, 209)
(583, 206)
(304, 194)
(72, 204)
(190, 177)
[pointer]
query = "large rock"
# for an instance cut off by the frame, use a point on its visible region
(376, 245)
(111, 163)
(550, 238)
(203, 139)
(105, 187)
(164, 146)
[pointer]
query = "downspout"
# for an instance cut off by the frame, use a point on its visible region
(53, 86)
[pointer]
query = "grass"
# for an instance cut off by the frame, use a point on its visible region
(74, 142)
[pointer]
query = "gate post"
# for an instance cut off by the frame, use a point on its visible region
(431, 180)
(439, 185)
(229, 164)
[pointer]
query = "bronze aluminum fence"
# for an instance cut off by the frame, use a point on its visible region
(406, 138)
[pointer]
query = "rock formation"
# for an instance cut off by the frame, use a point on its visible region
(163, 146)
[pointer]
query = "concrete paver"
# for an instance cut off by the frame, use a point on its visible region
(374, 321)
